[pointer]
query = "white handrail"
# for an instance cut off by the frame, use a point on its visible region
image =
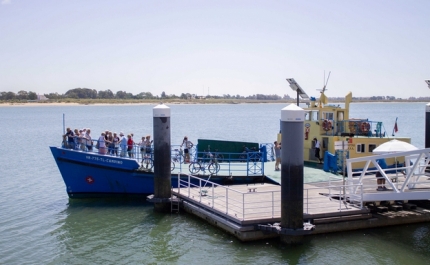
(262, 203)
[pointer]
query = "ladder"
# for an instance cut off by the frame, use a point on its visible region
(174, 204)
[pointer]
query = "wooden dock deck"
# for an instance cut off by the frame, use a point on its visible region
(240, 209)
(330, 206)
(249, 204)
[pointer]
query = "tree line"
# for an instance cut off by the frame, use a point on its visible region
(87, 93)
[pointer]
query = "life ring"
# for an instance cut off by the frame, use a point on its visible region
(365, 126)
(327, 125)
(307, 133)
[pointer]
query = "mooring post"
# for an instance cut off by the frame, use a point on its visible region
(427, 129)
(292, 163)
(162, 150)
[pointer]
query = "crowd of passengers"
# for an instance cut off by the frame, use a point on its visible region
(109, 143)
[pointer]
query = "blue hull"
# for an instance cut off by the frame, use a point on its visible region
(92, 175)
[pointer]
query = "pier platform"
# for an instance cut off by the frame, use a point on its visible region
(242, 209)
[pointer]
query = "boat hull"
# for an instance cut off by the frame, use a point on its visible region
(88, 175)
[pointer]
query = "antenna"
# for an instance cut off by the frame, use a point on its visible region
(325, 83)
(428, 82)
(296, 87)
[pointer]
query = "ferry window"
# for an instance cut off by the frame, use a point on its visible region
(328, 115)
(361, 148)
(371, 147)
(314, 115)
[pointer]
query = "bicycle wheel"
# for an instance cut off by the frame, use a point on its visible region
(147, 163)
(194, 167)
(214, 168)
(172, 165)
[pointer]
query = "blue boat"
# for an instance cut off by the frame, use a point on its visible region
(88, 174)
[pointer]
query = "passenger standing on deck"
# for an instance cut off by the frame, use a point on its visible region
(317, 150)
(148, 144)
(89, 141)
(277, 154)
(187, 148)
(380, 180)
(82, 140)
(76, 138)
(130, 144)
(102, 144)
(115, 143)
(70, 140)
(123, 144)
(110, 144)
(142, 146)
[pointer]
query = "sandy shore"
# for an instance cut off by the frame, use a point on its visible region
(35, 104)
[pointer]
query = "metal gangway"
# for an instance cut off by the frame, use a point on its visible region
(403, 181)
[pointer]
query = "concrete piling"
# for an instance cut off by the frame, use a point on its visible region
(162, 150)
(292, 163)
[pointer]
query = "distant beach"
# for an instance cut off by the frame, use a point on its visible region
(180, 102)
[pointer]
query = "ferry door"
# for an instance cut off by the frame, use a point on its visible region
(312, 152)
(324, 146)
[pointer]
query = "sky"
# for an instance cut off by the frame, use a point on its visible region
(370, 47)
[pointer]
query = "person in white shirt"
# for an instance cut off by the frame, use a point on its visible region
(317, 150)
(123, 144)
(102, 144)
(89, 142)
(187, 148)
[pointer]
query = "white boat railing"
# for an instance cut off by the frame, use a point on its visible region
(247, 164)
(409, 181)
(249, 202)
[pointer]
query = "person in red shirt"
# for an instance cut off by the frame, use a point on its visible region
(130, 144)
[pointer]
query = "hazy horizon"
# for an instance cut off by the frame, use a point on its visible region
(220, 47)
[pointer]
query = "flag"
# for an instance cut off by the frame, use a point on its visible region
(395, 127)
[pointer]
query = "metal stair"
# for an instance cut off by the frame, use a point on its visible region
(174, 204)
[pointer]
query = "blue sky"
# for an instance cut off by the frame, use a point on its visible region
(371, 47)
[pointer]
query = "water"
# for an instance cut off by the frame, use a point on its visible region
(40, 225)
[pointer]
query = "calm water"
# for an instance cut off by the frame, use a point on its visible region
(40, 225)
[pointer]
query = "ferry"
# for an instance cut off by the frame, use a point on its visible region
(89, 174)
(340, 136)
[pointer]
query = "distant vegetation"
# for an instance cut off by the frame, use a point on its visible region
(92, 96)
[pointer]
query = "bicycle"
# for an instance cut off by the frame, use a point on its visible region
(147, 162)
(208, 162)
(177, 157)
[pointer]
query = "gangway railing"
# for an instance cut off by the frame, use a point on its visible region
(244, 203)
(407, 181)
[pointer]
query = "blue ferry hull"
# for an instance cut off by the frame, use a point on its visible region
(93, 175)
(89, 175)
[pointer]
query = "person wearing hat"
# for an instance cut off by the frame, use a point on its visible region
(122, 144)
